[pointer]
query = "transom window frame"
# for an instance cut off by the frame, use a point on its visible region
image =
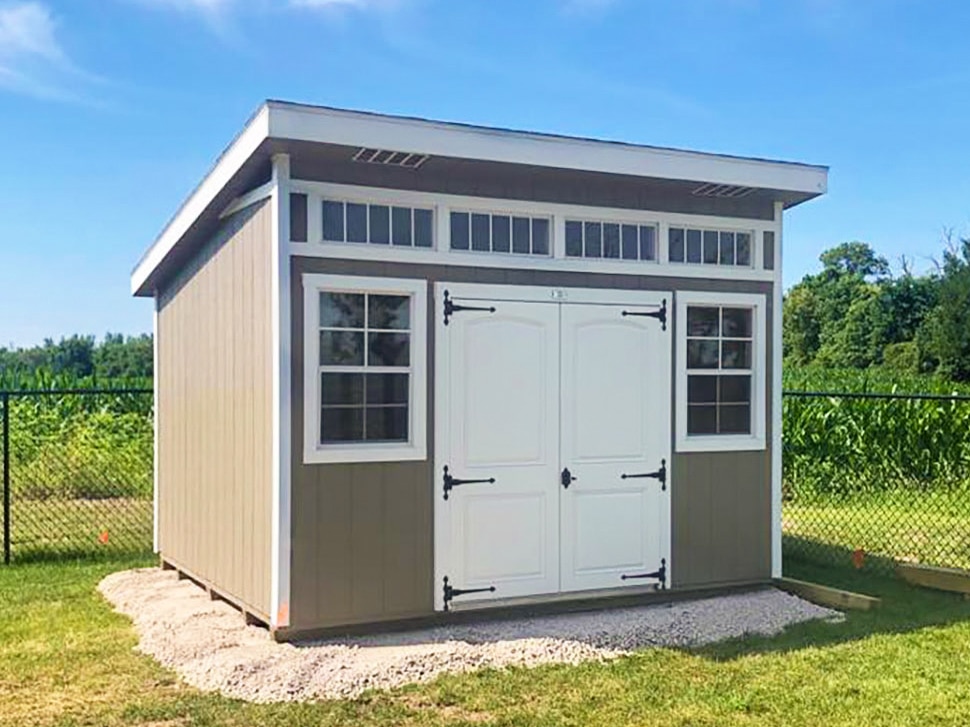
(757, 439)
(314, 451)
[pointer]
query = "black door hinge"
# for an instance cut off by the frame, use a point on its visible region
(660, 474)
(660, 315)
(451, 307)
(451, 482)
(451, 593)
(660, 574)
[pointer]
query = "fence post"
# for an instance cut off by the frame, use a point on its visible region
(6, 477)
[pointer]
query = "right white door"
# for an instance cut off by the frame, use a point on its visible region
(615, 442)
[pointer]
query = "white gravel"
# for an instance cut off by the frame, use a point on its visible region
(211, 648)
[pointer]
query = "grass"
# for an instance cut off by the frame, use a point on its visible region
(931, 528)
(77, 527)
(66, 659)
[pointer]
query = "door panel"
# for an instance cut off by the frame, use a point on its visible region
(615, 421)
(501, 413)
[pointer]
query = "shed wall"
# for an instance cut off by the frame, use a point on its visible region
(214, 411)
(362, 534)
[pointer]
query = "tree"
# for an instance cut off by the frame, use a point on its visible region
(944, 337)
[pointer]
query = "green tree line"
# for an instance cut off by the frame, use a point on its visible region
(855, 313)
(78, 360)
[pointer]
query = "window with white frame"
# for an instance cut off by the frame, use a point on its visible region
(501, 233)
(709, 247)
(377, 224)
(721, 371)
(365, 374)
(594, 239)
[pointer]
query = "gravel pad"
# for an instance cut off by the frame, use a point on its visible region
(211, 648)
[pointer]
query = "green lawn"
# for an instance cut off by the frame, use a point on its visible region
(66, 659)
(925, 528)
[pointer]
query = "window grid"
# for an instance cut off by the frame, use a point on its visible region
(697, 246)
(611, 240)
(501, 233)
(377, 224)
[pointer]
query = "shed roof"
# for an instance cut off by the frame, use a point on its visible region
(279, 126)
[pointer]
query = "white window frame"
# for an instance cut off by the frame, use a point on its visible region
(315, 452)
(756, 440)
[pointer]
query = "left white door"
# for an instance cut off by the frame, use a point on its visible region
(498, 536)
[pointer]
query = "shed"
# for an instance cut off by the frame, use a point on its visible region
(407, 368)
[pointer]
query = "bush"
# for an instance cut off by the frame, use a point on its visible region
(902, 357)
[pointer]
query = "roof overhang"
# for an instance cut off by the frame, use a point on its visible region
(245, 160)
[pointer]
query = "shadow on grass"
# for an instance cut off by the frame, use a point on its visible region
(904, 609)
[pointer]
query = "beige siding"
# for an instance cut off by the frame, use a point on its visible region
(362, 533)
(214, 411)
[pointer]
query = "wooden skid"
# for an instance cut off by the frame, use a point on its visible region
(941, 579)
(827, 596)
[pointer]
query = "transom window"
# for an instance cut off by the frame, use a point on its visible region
(377, 224)
(500, 233)
(365, 369)
(610, 240)
(709, 247)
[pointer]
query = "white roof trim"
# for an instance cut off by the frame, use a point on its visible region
(354, 128)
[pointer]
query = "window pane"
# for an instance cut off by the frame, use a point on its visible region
(676, 243)
(702, 389)
(341, 310)
(298, 217)
(423, 222)
(743, 256)
(574, 239)
(768, 240)
(459, 230)
(734, 419)
(333, 221)
(702, 419)
(342, 388)
(387, 424)
(702, 321)
(734, 389)
(401, 218)
(648, 243)
(611, 240)
(540, 236)
(481, 233)
(693, 246)
(389, 311)
(710, 247)
(388, 349)
(727, 248)
(593, 232)
(736, 354)
(343, 424)
(380, 224)
(387, 388)
(630, 250)
(356, 222)
(701, 354)
(341, 348)
(736, 322)
(501, 233)
(520, 235)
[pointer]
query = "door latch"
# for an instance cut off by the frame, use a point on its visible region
(566, 478)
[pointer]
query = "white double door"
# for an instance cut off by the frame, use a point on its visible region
(552, 442)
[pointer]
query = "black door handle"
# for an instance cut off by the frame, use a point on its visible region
(567, 477)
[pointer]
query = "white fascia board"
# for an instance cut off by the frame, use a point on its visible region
(351, 128)
(226, 167)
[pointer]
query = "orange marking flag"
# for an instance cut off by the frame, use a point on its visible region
(858, 557)
(103, 537)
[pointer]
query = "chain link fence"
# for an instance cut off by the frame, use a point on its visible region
(77, 473)
(872, 479)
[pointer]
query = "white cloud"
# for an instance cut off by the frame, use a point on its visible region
(32, 58)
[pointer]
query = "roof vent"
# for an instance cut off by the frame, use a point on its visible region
(391, 158)
(722, 190)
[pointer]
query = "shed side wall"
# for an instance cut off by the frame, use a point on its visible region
(363, 533)
(214, 411)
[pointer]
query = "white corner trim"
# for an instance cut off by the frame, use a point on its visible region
(416, 448)
(225, 168)
(251, 197)
(155, 494)
(777, 404)
(722, 443)
(282, 399)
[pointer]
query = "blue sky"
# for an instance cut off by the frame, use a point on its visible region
(111, 111)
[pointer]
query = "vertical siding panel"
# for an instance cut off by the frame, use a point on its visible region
(334, 541)
(399, 539)
(367, 515)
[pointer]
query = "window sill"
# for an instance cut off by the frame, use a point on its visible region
(340, 454)
(721, 443)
